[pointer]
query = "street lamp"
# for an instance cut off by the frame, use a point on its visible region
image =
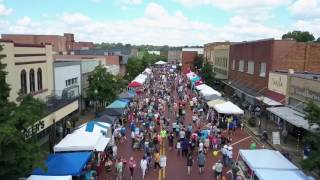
(95, 102)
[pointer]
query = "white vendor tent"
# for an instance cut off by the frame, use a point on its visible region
(208, 91)
(39, 177)
(86, 140)
(160, 63)
(141, 78)
(227, 108)
(147, 70)
(268, 164)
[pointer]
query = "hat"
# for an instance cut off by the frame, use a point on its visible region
(225, 146)
(230, 148)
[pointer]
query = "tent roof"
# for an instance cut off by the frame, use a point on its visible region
(160, 62)
(268, 164)
(126, 95)
(294, 117)
(134, 84)
(215, 102)
(112, 112)
(228, 108)
(39, 177)
(212, 97)
(195, 78)
(108, 119)
(117, 104)
(65, 164)
(266, 159)
(88, 137)
(207, 91)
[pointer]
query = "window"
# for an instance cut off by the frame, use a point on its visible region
(241, 66)
(23, 81)
(39, 78)
(71, 81)
(250, 69)
(233, 64)
(262, 69)
(32, 82)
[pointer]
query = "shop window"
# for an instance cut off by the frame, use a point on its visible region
(250, 67)
(262, 69)
(32, 81)
(39, 78)
(23, 81)
(241, 66)
(233, 64)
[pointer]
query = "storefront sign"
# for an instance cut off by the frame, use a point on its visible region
(34, 129)
(305, 89)
(306, 93)
(278, 83)
(276, 137)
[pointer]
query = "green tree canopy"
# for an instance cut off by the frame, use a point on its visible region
(318, 40)
(198, 62)
(313, 116)
(299, 36)
(208, 74)
(103, 86)
(18, 155)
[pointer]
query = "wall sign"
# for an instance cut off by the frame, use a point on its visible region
(306, 93)
(278, 83)
(34, 129)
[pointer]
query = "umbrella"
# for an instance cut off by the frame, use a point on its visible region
(134, 84)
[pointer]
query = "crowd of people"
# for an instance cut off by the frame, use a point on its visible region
(157, 117)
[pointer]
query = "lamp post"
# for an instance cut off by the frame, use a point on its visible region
(95, 102)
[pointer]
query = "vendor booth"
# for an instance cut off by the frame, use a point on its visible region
(208, 91)
(266, 164)
(89, 137)
(147, 71)
(227, 108)
(212, 103)
(134, 84)
(212, 97)
(61, 164)
(160, 63)
(127, 95)
(108, 119)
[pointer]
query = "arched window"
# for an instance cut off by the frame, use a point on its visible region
(23, 81)
(39, 78)
(32, 83)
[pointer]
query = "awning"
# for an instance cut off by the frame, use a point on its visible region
(215, 102)
(227, 108)
(65, 164)
(268, 101)
(209, 91)
(212, 97)
(294, 117)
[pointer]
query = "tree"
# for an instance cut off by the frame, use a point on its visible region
(299, 36)
(207, 74)
(198, 62)
(318, 40)
(18, 154)
(103, 87)
(313, 116)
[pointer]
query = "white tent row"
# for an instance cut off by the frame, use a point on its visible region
(227, 108)
(82, 140)
(148, 71)
(141, 78)
(39, 177)
(206, 90)
(160, 63)
(268, 164)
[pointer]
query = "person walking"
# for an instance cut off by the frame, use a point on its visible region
(143, 166)
(156, 160)
(132, 166)
(201, 161)
(218, 167)
(119, 168)
(229, 156)
(189, 163)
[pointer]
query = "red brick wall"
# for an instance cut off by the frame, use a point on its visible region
(112, 60)
(187, 59)
(82, 45)
(313, 57)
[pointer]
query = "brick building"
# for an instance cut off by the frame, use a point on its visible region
(187, 59)
(251, 62)
(60, 44)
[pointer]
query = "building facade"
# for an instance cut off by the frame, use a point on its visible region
(251, 62)
(188, 59)
(221, 61)
(60, 44)
(30, 71)
(174, 56)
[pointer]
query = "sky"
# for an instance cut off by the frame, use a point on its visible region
(161, 22)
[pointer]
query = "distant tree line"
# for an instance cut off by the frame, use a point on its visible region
(301, 36)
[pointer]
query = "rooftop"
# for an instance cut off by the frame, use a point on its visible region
(304, 75)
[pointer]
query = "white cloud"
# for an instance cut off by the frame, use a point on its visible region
(157, 26)
(305, 8)
(313, 26)
(131, 1)
(4, 11)
(75, 18)
(24, 21)
(235, 4)
(96, 1)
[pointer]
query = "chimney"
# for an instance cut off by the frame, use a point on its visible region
(291, 71)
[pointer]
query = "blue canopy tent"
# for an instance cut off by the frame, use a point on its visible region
(117, 104)
(60, 164)
(125, 100)
(108, 119)
(127, 95)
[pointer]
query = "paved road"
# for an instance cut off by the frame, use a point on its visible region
(176, 165)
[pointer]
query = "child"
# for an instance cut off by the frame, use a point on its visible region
(178, 147)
